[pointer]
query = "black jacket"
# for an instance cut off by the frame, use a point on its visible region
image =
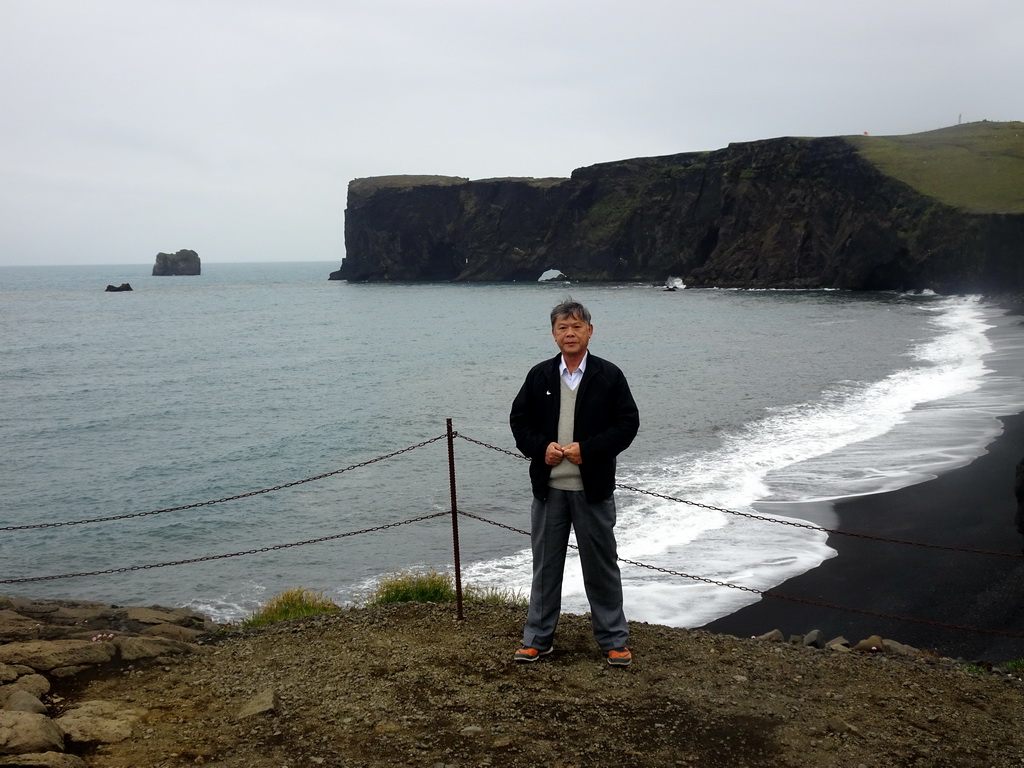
(606, 421)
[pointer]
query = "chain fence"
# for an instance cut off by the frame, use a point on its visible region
(779, 521)
(208, 558)
(455, 513)
(199, 504)
(773, 593)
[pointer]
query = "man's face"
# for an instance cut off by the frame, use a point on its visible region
(572, 335)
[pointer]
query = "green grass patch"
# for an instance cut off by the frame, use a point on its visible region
(291, 604)
(977, 167)
(413, 587)
(1016, 666)
(435, 587)
(496, 595)
(608, 216)
(407, 587)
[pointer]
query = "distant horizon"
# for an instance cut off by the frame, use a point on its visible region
(150, 263)
(246, 137)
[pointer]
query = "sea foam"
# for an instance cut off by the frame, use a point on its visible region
(859, 437)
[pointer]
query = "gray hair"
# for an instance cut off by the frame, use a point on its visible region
(569, 308)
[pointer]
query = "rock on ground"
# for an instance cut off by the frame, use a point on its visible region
(411, 685)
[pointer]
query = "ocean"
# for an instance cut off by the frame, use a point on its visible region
(253, 376)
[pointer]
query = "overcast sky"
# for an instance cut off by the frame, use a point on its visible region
(232, 127)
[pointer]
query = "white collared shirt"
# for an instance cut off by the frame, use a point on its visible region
(573, 379)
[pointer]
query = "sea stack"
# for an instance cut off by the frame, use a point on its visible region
(183, 262)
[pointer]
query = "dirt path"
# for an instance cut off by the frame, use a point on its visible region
(409, 685)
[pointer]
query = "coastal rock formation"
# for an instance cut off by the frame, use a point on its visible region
(48, 642)
(780, 213)
(183, 262)
(121, 287)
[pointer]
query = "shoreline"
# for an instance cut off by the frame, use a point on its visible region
(969, 507)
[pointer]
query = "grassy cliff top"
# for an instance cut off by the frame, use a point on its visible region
(977, 167)
(370, 185)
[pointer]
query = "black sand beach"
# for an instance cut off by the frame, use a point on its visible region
(970, 507)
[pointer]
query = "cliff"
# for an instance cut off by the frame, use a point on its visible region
(860, 213)
(183, 262)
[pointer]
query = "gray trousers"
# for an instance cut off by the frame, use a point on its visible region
(594, 525)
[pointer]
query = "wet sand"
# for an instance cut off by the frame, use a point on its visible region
(970, 507)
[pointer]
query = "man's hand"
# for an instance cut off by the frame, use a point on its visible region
(553, 455)
(572, 453)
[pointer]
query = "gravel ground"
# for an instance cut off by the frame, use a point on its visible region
(410, 685)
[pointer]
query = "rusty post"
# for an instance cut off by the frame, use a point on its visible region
(455, 518)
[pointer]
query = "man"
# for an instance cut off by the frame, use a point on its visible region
(572, 417)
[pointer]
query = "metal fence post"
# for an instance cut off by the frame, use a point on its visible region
(455, 517)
